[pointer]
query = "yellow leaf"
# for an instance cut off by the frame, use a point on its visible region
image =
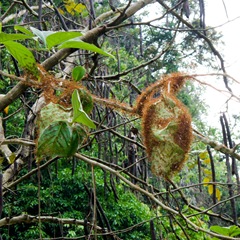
(207, 172)
(60, 11)
(206, 161)
(203, 155)
(72, 7)
(69, 5)
(12, 158)
(218, 194)
(79, 7)
(210, 189)
(69, 8)
(6, 110)
(205, 181)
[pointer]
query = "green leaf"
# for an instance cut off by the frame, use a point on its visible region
(59, 139)
(85, 46)
(78, 73)
(41, 34)
(24, 56)
(60, 37)
(86, 100)
(221, 230)
(10, 37)
(234, 231)
(79, 115)
(23, 30)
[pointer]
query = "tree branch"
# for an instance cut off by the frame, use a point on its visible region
(216, 145)
(149, 195)
(25, 218)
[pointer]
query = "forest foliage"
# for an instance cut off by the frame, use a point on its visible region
(102, 127)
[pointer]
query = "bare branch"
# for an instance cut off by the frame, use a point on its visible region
(25, 218)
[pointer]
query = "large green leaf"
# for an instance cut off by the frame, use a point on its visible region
(58, 139)
(11, 37)
(60, 37)
(41, 34)
(24, 56)
(23, 30)
(85, 46)
(221, 230)
(79, 115)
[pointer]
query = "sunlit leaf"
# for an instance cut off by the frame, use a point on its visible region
(60, 37)
(86, 46)
(210, 189)
(79, 115)
(205, 181)
(78, 73)
(24, 56)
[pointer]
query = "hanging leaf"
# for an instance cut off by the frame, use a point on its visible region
(78, 73)
(23, 30)
(59, 139)
(210, 189)
(11, 37)
(85, 46)
(218, 194)
(205, 181)
(41, 34)
(79, 115)
(24, 56)
(60, 37)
